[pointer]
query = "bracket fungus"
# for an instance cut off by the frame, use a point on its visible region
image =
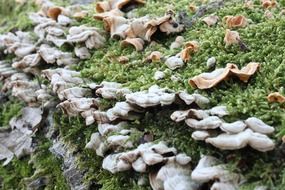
(53, 55)
(200, 135)
(29, 61)
(209, 169)
(153, 97)
(29, 120)
(20, 43)
(75, 106)
(82, 52)
(75, 92)
(209, 80)
(144, 156)
(26, 91)
(256, 140)
(173, 176)
(112, 90)
(62, 79)
(258, 125)
(110, 137)
(89, 35)
(123, 110)
(238, 134)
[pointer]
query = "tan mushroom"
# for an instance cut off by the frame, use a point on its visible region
(192, 7)
(177, 43)
(276, 97)
(190, 47)
(231, 37)
(54, 12)
(138, 28)
(268, 3)
(246, 72)
(155, 56)
(136, 42)
(104, 6)
(211, 20)
(165, 24)
(248, 4)
(114, 12)
(124, 3)
(209, 80)
(115, 4)
(235, 21)
(116, 26)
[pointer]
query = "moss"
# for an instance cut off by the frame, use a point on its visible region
(15, 16)
(264, 39)
(20, 172)
(12, 174)
(47, 165)
(9, 109)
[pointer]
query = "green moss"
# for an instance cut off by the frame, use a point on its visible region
(15, 16)
(20, 172)
(11, 175)
(10, 109)
(47, 165)
(263, 37)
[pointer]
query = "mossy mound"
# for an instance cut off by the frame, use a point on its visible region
(265, 40)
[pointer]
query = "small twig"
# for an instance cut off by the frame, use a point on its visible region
(243, 46)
